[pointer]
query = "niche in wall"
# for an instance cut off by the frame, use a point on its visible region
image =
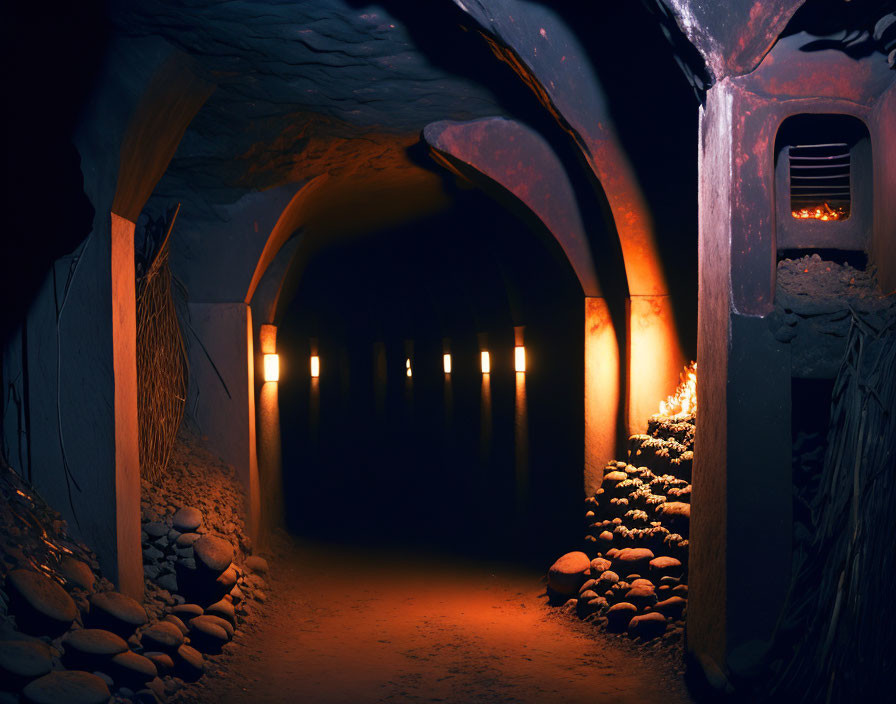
(823, 183)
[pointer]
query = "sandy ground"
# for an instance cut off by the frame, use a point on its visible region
(344, 626)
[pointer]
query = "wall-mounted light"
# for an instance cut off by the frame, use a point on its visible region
(446, 363)
(407, 367)
(315, 366)
(271, 367)
(486, 362)
(519, 358)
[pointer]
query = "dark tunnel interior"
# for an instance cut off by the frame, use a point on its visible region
(465, 462)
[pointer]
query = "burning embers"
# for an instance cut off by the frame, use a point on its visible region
(824, 212)
(684, 401)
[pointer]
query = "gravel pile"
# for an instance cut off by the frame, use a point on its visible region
(67, 636)
(637, 532)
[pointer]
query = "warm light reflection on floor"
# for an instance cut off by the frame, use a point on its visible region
(521, 445)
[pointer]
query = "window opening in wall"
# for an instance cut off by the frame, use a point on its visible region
(819, 181)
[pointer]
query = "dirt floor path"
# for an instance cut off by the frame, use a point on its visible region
(357, 627)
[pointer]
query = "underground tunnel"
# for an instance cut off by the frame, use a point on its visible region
(379, 351)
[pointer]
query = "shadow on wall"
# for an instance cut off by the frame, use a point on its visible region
(373, 455)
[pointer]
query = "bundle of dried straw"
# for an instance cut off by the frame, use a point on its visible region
(835, 637)
(161, 361)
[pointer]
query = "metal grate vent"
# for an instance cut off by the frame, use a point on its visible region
(819, 181)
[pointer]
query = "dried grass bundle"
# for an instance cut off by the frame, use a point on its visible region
(835, 638)
(161, 362)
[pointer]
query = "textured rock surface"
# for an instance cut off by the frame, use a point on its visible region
(24, 659)
(41, 606)
(71, 687)
(187, 519)
(568, 573)
(131, 669)
(91, 648)
(116, 612)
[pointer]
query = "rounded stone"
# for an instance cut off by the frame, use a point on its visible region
(186, 540)
(606, 580)
(227, 580)
(132, 670)
(181, 626)
(155, 529)
(69, 686)
(223, 623)
(614, 477)
(207, 635)
(568, 573)
(678, 513)
(163, 661)
(619, 615)
(223, 609)
(187, 611)
(673, 606)
(189, 664)
(24, 660)
(187, 519)
(212, 553)
(163, 635)
(589, 584)
(605, 537)
(40, 605)
(647, 626)
(664, 565)
(91, 648)
(599, 565)
(116, 612)
(641, 596)
(632, 560)
(77, 573)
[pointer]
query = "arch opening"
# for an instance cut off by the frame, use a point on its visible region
(480, 463)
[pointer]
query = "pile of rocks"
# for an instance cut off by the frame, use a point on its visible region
(201, 578)
(66, 635)
(637, 528)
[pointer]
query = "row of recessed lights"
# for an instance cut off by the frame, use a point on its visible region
(272, 364)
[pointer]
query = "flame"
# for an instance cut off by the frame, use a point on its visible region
(820, 213)
(684, 401)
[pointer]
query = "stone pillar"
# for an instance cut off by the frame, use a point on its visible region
(270, 464)
(741, 486)
(601, 391)
(76, 359)
(127, 449)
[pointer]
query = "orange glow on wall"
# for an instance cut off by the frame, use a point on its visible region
(315, 367)
(486, 362)
(446, 363)
(271, 367)
(519, 358)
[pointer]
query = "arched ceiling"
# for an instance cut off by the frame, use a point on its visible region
(305, 88)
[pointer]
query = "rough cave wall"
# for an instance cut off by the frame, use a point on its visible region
(221, 394)
(74, 361)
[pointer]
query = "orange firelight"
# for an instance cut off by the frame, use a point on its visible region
(825, 213)
(684, 401)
